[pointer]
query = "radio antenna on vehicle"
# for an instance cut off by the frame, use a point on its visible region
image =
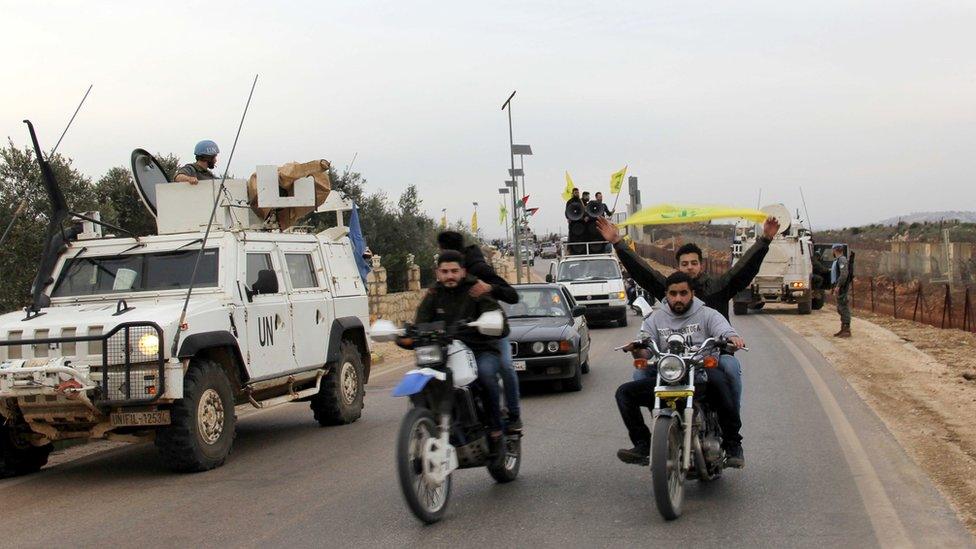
(23, 203)
(213, 213)
(805, 211)
(55, 149)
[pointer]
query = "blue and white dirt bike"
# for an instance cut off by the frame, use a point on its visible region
(446, 427)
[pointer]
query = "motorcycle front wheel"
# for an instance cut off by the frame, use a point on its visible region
(667, 447)
(427, 500)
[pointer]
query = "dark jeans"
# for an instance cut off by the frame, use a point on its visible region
(509, 378)
(634, 394)
(489, 364)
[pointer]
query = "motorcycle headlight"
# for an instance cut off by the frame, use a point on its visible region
(671, 369)
(538, 347)
(429, 354)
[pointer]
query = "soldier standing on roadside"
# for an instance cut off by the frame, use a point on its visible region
(840, 286)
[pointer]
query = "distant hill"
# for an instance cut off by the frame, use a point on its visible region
(931, 217)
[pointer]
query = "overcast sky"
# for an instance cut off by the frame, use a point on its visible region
(869, 106)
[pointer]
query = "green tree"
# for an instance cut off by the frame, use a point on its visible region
(20, 181)
(121, 204)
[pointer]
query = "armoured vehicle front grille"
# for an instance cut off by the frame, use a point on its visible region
(131, 367)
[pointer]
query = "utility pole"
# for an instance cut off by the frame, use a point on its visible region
(517, 253)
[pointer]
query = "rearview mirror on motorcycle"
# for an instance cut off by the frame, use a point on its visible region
(385, 330)
(491, 323)
(644, 307)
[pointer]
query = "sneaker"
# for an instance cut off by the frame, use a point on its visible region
(734, 457)
(638, 455)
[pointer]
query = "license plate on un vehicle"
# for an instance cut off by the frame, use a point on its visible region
(138, 419)
(519, 365)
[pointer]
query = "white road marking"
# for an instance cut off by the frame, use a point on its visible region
(888, 528)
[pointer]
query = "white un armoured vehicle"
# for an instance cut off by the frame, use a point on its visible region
(104, 350)
(787, 272)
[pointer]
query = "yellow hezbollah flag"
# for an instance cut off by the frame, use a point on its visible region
(665, 214)
(617, 180)
(474, 222)
(502, 213)
(568, 190)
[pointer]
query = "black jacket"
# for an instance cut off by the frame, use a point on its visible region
(715, 292)
(453, 304)
(477, 266)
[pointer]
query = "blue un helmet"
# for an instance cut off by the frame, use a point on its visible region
(206, 148)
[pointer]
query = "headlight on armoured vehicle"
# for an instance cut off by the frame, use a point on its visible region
(671, 369)
(149, 344)
(429, 354)
(538, 347)
(798, 285)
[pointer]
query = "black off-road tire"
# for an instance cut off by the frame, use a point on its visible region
(623, 321)
(340, 397)
(740, 308)
(408, 469)
(18, 456)
(203, 424)
(804, 307)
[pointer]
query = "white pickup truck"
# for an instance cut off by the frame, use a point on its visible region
(591, 273)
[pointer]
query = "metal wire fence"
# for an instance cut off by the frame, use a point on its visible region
(942, 305)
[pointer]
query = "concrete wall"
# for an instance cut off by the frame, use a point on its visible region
(401, 307)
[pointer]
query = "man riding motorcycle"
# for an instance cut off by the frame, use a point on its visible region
(497, 287)
(714, 292)
(681, 313)
(450, 301)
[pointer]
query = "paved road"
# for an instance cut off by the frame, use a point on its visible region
(821, 471)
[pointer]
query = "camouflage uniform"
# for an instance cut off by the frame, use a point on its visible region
(839, 274)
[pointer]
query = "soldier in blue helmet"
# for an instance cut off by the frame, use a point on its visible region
(206, 153)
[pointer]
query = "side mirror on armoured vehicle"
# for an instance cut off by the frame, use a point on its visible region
(579, 310)
(267, 283)
(549, 278)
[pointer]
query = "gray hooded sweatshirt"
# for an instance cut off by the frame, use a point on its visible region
(699, 321)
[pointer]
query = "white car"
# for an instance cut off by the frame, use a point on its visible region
(107, 352)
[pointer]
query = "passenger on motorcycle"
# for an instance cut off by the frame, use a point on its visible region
(714, 292)
(497, 287)
(450, 301)
(681, 313)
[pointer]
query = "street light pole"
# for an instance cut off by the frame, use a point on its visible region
(515, 227)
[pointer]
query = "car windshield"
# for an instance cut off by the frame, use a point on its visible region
(538, 302)
(148, 272)
(588, 269)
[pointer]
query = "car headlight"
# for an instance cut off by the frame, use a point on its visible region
(798, 285)
(621, 295)
(671, 369)
(552, 346)
(538, 347)
(149, 344)
(429, 354)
